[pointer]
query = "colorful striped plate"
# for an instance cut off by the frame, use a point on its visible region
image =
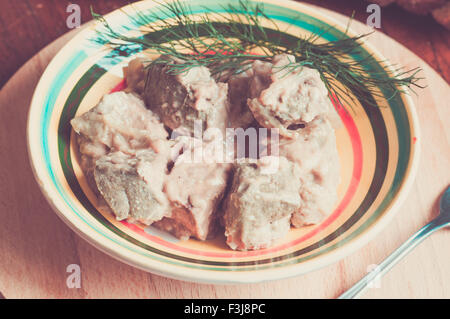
(377, 148)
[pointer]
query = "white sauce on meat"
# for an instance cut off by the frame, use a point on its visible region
(282, 95)
(145, 177)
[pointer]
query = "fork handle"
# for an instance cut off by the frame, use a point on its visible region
(393, 258)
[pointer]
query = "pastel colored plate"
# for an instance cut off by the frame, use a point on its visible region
(377, 148)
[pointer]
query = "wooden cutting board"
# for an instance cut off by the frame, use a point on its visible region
(36, 246)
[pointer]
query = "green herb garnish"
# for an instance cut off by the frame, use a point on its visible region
(224, 43)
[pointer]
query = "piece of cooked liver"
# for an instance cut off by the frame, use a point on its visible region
(284, 93)
(180, 99)
(132, 185)
(314, 150)
(143, 176)
(260, 202)
(195, 190)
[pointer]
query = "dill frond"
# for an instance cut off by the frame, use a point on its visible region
(226, 43)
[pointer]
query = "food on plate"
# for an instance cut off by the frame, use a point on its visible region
(239, 115)
(195, 191)
(207, 76)
(320, 169)
(132, 185)
(180, 99)
(284, 93)
(141, 154)
(260, 203)
(120, 122)
(440, 9)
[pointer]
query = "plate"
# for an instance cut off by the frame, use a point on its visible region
(377, 149)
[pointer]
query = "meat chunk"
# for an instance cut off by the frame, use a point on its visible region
(120, 122)
(318, 200)
(261, 79)
(132, 185)
(180, 99)
(421, 6)
(195, 188)
(383, 2)
(284, 93)
(260, 203)
(145, 177)
(314, 151)
(313, 141)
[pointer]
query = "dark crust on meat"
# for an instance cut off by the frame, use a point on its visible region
(163, 92)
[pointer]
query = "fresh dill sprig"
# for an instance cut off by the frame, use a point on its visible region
(228, 42)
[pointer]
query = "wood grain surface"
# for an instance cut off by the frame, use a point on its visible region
(36, 246)
(26, 26)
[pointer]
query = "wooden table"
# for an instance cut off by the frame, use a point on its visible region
(36, 246)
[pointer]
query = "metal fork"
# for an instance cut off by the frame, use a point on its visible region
(442, 220)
